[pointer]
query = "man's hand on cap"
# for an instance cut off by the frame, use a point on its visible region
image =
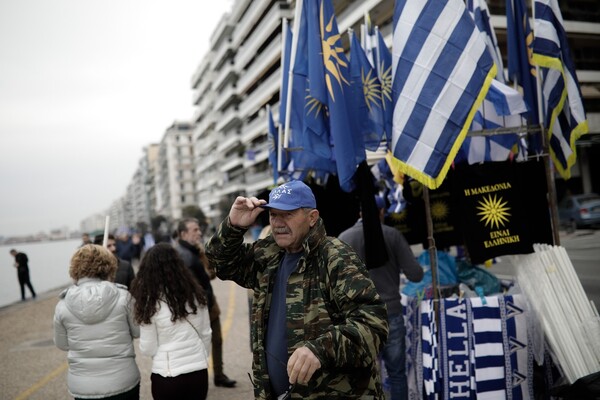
(244, 211)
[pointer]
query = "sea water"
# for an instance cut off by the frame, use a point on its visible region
(48, 268)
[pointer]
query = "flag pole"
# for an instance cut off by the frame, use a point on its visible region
(431, 249)
(284, 29)
(552, 199)
(105, 239)
(297, 16)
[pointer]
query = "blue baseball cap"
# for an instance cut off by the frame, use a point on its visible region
(291, 196)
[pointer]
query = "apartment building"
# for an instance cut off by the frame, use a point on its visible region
(174, 183)
(240, 75)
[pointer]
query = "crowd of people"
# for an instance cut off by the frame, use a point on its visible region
(321, 319)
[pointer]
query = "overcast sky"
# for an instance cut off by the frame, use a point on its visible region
(84, 86)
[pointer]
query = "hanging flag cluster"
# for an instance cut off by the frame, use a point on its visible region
(444, 77)
(564, 116)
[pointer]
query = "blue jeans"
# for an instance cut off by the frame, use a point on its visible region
(394, 357)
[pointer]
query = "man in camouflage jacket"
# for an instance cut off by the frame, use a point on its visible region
(335, 322)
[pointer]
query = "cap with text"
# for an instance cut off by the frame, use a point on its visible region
(291, 196)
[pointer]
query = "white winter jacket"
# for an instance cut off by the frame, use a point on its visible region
(175, 347)
(93, 321)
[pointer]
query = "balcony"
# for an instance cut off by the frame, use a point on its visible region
(223, 55)
(227, 97)
(231, 162)
(205, 163)
(251, 18)
(254, 129)
(210, 141)
(203, 87)
(228, 142)
(355, 13)
(201, 69)
(239, 6)
(260, 154)
(226, 75)
(270, 55)
(205, 126)
(228, 120)
(222, 32)
(237, 185)
(257, 99)
(260, 181)
(271, 22)
(208, 101)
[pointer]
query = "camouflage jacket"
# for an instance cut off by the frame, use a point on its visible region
(332, 307)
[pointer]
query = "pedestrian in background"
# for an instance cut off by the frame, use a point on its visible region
(172, 311)
(318, 322)
(93, 321)
(387, 281)
(85, 239)
(189, 247)
(22, 265)
(125, 272)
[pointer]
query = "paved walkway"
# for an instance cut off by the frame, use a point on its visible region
(33, 368)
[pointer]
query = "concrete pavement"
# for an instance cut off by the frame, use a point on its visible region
(33, 368)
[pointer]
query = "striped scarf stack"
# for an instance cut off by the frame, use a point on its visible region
(481, 349)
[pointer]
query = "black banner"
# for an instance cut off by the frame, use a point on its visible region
(503, 207)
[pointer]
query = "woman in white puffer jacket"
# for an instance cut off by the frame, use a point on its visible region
(93, 321)
(171, 309)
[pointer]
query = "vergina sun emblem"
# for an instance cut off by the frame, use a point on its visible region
(439, 210)
(494, 211)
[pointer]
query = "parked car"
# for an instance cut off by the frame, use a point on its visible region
(580, 211)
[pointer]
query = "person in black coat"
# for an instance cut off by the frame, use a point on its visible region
(125, 272)
(22, 266)
(188, 247)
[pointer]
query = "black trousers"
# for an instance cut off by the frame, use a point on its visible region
(192, 386)
(24, 280)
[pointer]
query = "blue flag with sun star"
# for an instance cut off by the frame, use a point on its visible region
(365, 97)
(442, 72)
(327, 75)
(384, 73)
(520, 67)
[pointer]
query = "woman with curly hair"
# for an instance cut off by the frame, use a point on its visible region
(172, 311)
(93, 321)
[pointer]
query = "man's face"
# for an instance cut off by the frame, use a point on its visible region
(192, 235)
(290, 228)
(86, 238)
(111, 245)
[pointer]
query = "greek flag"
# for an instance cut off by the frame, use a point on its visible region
(442, 72)
(564, 115)
(502, 107)
(481, 15)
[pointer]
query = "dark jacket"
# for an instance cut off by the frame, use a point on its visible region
(191, 259)
(332, 308)
(125, 273)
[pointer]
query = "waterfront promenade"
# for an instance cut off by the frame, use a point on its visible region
(33, 368)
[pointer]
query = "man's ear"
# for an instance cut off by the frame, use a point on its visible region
(313, 216)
